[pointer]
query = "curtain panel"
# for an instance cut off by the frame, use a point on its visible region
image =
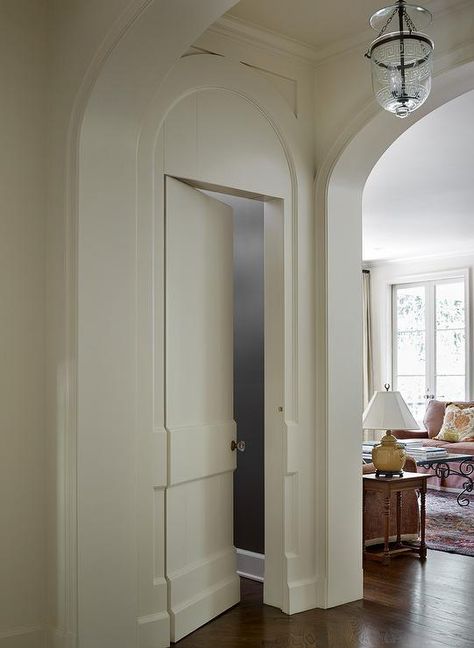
(368, 377)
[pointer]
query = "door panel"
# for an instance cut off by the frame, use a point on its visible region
(200, 559)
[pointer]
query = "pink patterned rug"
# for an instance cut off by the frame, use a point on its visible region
(449, 527)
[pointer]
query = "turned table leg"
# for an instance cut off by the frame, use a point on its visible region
(364, 506)
(399, 518)
(423, 521)
(386, 548)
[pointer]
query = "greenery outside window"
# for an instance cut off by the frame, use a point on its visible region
(430, 338)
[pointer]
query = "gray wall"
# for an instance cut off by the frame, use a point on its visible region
(248, 371)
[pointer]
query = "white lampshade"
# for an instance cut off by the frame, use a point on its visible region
(388, 411)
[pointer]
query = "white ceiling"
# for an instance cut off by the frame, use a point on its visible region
(419, 198)
(318, 23)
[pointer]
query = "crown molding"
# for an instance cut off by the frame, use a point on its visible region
(441, 256)
(250, 33)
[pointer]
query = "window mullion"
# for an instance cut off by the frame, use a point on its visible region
(430, 339)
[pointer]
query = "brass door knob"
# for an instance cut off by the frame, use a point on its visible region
(237, 445)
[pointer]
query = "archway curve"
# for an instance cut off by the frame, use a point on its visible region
(118, 197)
(339, 188)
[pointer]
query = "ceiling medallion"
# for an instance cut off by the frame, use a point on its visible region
(402, 59)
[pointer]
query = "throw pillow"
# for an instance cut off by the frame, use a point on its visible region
(458, 424)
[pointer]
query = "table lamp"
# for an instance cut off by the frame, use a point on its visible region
(388, 411)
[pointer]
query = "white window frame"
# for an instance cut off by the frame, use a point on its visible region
(424, 279)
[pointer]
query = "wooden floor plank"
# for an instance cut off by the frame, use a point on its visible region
(408, 604)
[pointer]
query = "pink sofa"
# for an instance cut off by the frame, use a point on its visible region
(433, 421)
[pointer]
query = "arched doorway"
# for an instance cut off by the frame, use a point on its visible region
(339, 190)
(207, 107)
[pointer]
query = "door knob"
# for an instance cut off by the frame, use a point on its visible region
(237, 445)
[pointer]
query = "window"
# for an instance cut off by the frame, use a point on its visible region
(429, 342)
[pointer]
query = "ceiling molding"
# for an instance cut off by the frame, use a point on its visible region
(377, 263)
(250, 33)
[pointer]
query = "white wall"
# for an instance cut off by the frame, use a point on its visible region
(82, 34)
(22, 323)
(351, 134)
(382, 276)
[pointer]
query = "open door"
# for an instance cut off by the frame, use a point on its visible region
(200, 556)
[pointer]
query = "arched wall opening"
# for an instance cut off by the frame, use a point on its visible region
(339, 190)
(107, 166)
(212, 122)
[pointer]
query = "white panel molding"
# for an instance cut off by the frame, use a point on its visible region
(190, 457)
(218, 73)
(191, 576)
(250, 34)
(159, 452)
(250, 565)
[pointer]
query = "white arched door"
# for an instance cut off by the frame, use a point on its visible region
(200, 556)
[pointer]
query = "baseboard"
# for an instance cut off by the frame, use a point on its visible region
(218, 598)
(154, 630)
(302, 595)
(57, 638)
(23, 637)
(250, 565)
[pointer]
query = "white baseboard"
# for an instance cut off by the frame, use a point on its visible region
(154, 630)
(23, 637)
(57, 638)
(250, 565)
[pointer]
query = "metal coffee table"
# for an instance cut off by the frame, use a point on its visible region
(443, 469)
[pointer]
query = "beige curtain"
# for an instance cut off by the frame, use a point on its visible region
(367, 339)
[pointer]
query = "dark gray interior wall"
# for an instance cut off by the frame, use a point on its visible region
(248, 371)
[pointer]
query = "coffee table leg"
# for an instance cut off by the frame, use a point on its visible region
(364, 506)
(423, 521)
(386, 548)
(399, 518)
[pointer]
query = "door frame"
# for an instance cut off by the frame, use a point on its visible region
(121, 192)
(273, 219)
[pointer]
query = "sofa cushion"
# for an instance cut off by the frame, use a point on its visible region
(458, 424)
(434, 415)
(436, 443)
(463, 447)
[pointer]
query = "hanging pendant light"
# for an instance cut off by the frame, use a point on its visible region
(401, 60)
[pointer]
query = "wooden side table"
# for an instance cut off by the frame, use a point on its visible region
(386, 486)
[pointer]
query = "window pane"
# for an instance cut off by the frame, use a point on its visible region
(450, 352)
(411, 353)
(450, 305)
(450, 388)
(412, 389)
(411, 308)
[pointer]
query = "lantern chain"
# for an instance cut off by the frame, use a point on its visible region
(383, 30)
(410, 24)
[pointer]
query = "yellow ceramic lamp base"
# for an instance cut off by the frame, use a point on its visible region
(389, 457)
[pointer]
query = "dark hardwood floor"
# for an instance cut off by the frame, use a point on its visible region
(408, 604)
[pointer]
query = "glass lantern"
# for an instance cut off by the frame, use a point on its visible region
(401, 60)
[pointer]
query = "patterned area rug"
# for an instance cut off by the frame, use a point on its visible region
(449, 527)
